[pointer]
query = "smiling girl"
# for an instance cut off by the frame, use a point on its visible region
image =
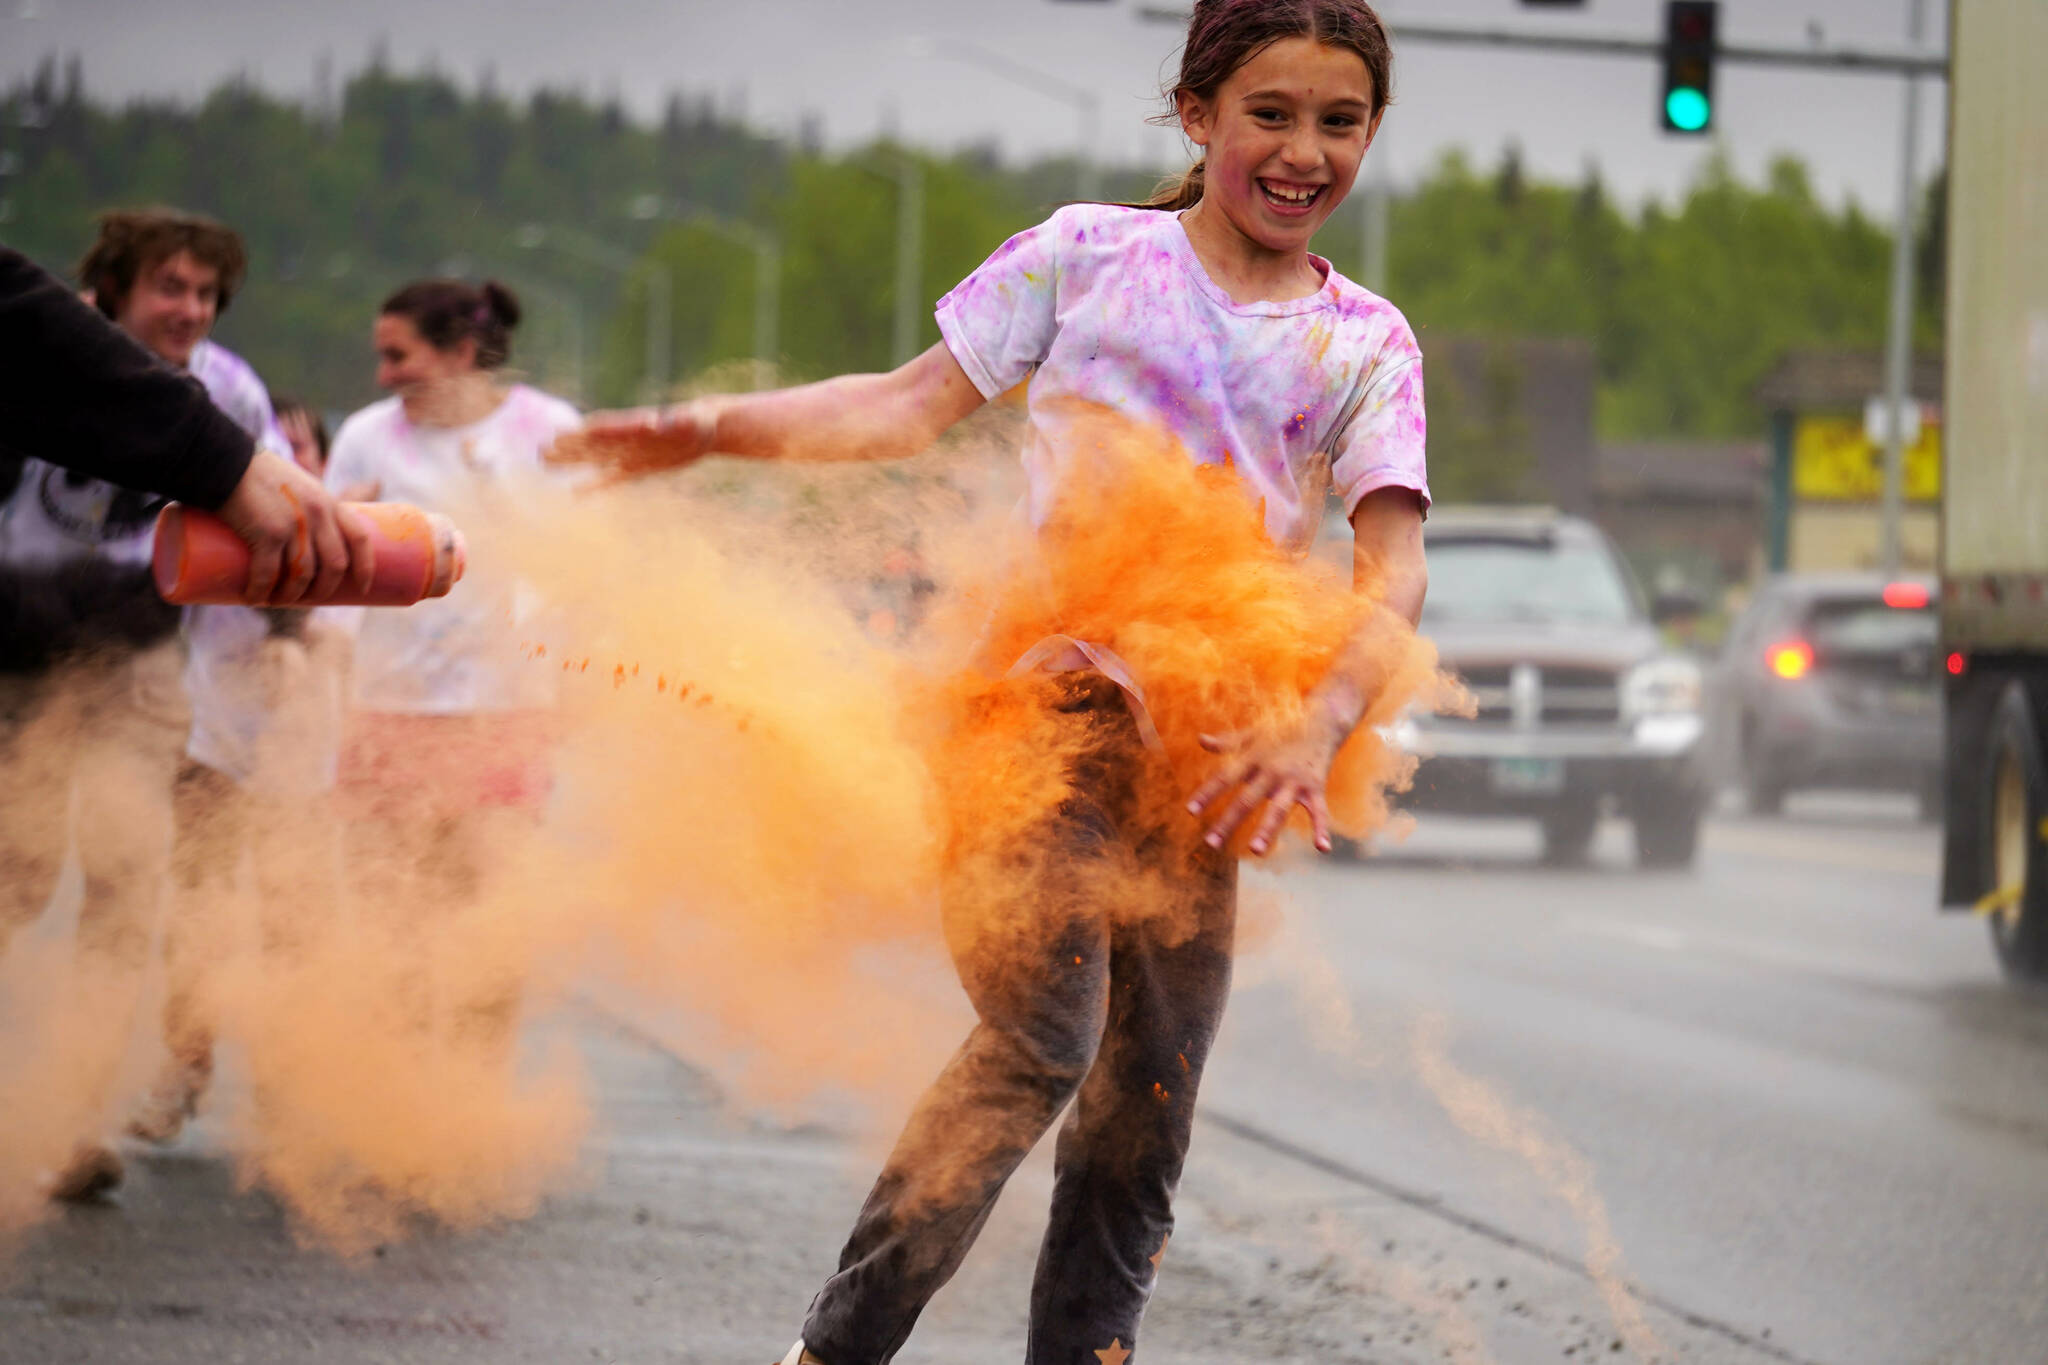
(1202, 313)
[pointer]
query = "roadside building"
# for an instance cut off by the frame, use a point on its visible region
(1824, 507)
(1686, 511)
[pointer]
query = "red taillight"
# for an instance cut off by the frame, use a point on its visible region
(1956, 664)
(1905, 596)
(1791, 660)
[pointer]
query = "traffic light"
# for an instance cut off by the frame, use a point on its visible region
(1690, 39)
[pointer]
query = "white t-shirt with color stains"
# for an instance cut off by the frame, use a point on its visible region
(231, 706)
(1110, 305)
(459, 654)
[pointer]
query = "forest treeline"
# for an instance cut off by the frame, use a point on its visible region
(570, 199)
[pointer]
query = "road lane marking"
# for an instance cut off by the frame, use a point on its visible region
(1853, 855)
(1659, 936)
(1752, 952)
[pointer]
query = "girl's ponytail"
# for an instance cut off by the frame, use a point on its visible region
(1177, 193)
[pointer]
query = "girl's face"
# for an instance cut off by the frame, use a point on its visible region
(408, 365)
(1283, 139)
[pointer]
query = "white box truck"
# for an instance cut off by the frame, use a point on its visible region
(1994, 569)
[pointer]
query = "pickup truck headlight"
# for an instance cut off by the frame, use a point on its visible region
(1661, 687)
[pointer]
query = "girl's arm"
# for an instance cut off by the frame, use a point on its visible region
(1273, 774)
(1386, 556)
(854, 417)
(1386, 547)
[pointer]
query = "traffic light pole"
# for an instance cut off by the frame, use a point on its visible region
(1854, 60)
(1899, 337)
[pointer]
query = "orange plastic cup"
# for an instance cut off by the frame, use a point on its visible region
(199, 561)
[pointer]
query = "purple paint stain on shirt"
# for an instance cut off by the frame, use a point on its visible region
(1217, 376)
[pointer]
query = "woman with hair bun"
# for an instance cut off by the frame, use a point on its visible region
(448, 722)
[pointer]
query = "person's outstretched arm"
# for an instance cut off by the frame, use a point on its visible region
(854, 417)
(79, 393)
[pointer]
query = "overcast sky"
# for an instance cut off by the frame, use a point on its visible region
(856, 64)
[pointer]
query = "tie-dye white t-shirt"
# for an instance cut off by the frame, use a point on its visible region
(1111, 306)
(457, 654)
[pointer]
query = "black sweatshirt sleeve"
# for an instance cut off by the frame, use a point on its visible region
(48, 612)
(77, 392)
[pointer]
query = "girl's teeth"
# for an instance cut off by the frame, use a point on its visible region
(1302, 196)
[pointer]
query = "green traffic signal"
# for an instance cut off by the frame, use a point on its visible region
(1688, 109)
(1691, 42)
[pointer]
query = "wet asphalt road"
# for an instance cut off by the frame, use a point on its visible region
(1814, 1120)
(1814, 1113)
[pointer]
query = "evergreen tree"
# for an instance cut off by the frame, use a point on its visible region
(1686, 304)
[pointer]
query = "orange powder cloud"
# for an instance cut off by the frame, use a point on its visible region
(753, 803)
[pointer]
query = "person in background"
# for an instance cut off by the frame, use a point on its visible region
(306, 432)
(113, 720)
(449, 724)
(79, 394)
(256, 782)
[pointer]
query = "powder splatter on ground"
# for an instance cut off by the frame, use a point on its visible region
(1487, 1116)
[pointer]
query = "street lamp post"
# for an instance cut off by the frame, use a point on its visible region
(909, 258)
(563, 303)
(767, 267)
(908, 178)
(14, 153)
(1898, 357)
(569, 306)
(1087, 108)
(660, 291)
(1375, 193)
(767, 305)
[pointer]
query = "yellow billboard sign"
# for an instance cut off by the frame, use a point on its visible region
(1834, 460)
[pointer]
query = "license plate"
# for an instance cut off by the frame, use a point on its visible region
(1528, 776)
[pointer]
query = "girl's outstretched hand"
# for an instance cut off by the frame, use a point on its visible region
(1269, 775)
(635, 441)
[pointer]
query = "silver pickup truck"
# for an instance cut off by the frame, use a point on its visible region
(1581, 710)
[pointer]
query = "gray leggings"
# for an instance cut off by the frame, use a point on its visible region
(1080, 998)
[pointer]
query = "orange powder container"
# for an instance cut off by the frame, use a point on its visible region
(198, 560)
